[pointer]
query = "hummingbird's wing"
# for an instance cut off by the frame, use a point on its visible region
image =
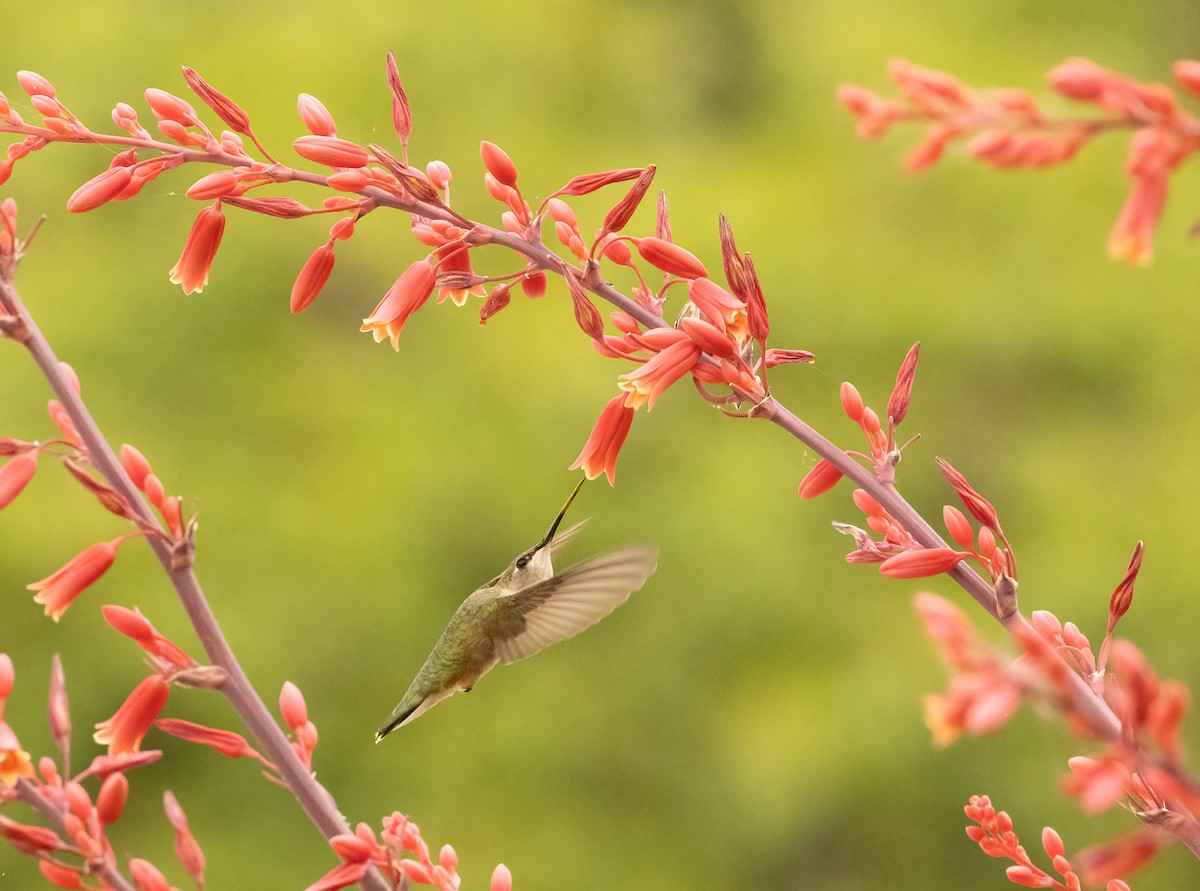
(560, 607)
(565, 536)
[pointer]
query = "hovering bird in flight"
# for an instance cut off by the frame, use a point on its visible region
(523, 610)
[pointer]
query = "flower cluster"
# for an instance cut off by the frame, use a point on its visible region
(57, 591)
(76, 849)
(1006, 128)
(402, 856)
(719, 336)
(993, 831)
(1142, 770)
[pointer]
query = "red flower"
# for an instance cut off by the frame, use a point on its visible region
(406, 296)
(15, 476)
(312, 278)
(199, 250)
(57, 591)
(123, 732)
(645, 385)
(921, 563)
(599, 454)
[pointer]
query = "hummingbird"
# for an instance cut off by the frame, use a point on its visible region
(523, 610)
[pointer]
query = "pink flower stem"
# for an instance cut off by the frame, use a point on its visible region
(314, 799)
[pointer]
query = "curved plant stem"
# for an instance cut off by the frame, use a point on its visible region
(313, 798)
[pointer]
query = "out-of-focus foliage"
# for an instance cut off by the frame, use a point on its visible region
(751, 718)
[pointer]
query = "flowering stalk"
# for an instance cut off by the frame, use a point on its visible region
(316, 802)
(1006, 129)
(719, 341)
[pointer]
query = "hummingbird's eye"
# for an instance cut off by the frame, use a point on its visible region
(523, 560)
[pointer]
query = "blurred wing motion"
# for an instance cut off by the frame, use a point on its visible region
(560, 607)
(565, 536)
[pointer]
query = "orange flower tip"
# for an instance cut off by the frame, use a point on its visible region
(498, 164)
(331, 151)
(921, 563)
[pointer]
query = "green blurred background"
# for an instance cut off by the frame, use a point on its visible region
(753, 717)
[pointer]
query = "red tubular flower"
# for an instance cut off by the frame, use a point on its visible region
(1122, 595)
(457, 260)
(719, 307)
(57, 591)
(1108, 861)
(902, 392)
(501, 878)
(819, 480)
(709, 338)
(15, 476)
(599, 454)
(124, 731)
(922, 563)
(187, 849)
(615, 219)
(59, 711)
(14, 761)
(498, 164)
(331, 151)
(978, 506)
(137, 627)
(1099, 783)
(496, 301)
(191, 271)
(100, 189)
(292, 706)
(645, 385)
(406, 296)
(110, 802)
(312, 278)
(590, 182)
(401, 110)
(35, 840)
(60, 876)
(228, 743)
(232, 114)
(1153, 155)
(147, 876)
(341, 876)
(670, 258)
(533, 284)
(315, 116)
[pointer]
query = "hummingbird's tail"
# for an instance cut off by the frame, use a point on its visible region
(414, 704)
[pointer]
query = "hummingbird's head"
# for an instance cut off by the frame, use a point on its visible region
(534, 565)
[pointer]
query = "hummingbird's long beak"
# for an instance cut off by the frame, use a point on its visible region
(562, 513)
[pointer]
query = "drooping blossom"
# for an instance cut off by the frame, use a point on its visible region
(124, 731)
(600, 452)
(194, 264)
